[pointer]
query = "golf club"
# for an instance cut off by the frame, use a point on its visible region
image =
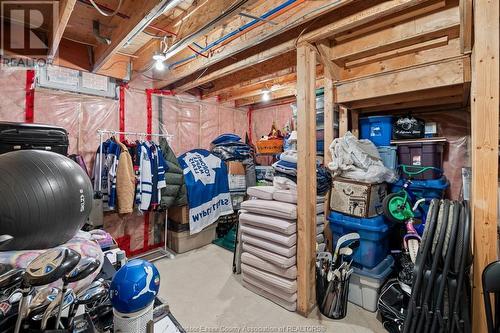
(68, 299)
(48, 267)
(341, 241)
(86, 267)
(88, 297)
(10, 281)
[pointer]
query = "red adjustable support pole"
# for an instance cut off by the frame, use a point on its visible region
(30, 96)
(123, 86)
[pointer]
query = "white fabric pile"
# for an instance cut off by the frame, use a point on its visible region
(358, 160)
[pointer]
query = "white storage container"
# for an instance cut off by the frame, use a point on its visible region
(365, 284)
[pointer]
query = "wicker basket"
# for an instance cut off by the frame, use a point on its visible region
(271, 146)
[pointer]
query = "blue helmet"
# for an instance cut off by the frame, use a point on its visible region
(134, 286)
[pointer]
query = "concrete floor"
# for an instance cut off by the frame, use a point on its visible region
(205, 296)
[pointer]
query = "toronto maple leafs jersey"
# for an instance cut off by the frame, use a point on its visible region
(208, 189)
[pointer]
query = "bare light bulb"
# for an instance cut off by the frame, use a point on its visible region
(159, 65)
(266, 96)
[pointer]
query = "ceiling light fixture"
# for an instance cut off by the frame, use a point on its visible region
(159, 58)
(266, 95)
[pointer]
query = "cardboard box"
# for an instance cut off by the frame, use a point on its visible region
(236, 176)
(183, 241)
(356, 198)
(235, 168)
(179, 214)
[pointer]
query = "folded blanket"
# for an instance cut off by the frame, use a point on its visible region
(286, 167)
(289, 156)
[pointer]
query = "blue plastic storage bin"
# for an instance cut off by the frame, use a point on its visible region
(389, 156)
(429, 189)
(373, 234)
(378, 129)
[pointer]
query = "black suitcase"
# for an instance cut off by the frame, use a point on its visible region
(19, 136)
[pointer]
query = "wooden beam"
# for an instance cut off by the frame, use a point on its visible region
(274, 85)
(466, 26)
(325, 53)
(373, 13)
(411, 49)
(484, 129)
(343, 120)
(453, 99)
(141, 14)
(225, 94)
(306, 179)
(410, 97)
(428, 76)
(422, 29)
(396, 18)
(144, 60)
(288, 90)
(65, 10)
(451, 50)
(355, 122)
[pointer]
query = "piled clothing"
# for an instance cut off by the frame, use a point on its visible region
(105, 166)
(269, 243)
(286, 167)
(229, 147)
(175, 192)
(131, 173)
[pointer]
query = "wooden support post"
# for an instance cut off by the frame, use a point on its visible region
(306, 179)
(343, 120)
(484, 124)
(355, 123)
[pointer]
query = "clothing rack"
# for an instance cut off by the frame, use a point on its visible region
(155, 254)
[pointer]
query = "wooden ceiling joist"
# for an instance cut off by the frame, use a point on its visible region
(450, 50)
(142, 13)
(253, 90)
(249, 85)
(65, 9)
(435, 75)
(407, 34)
(338, 26)
(259, 35)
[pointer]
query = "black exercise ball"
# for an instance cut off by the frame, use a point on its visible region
(45, 198)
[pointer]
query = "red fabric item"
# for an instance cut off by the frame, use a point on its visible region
(30, 96)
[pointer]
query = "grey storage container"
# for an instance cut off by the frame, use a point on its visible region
(365, 284)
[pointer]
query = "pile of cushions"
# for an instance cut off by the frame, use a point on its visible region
(268, 225)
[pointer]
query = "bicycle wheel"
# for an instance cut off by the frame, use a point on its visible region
(396, 208)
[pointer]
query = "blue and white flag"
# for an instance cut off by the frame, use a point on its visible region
(206, 179)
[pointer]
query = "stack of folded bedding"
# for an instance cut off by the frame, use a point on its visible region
(268, 227)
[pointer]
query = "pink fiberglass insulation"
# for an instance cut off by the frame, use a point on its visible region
(12, 94)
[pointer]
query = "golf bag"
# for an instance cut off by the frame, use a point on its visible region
(392, 303)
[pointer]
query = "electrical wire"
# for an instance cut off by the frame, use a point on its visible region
(103, 13)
